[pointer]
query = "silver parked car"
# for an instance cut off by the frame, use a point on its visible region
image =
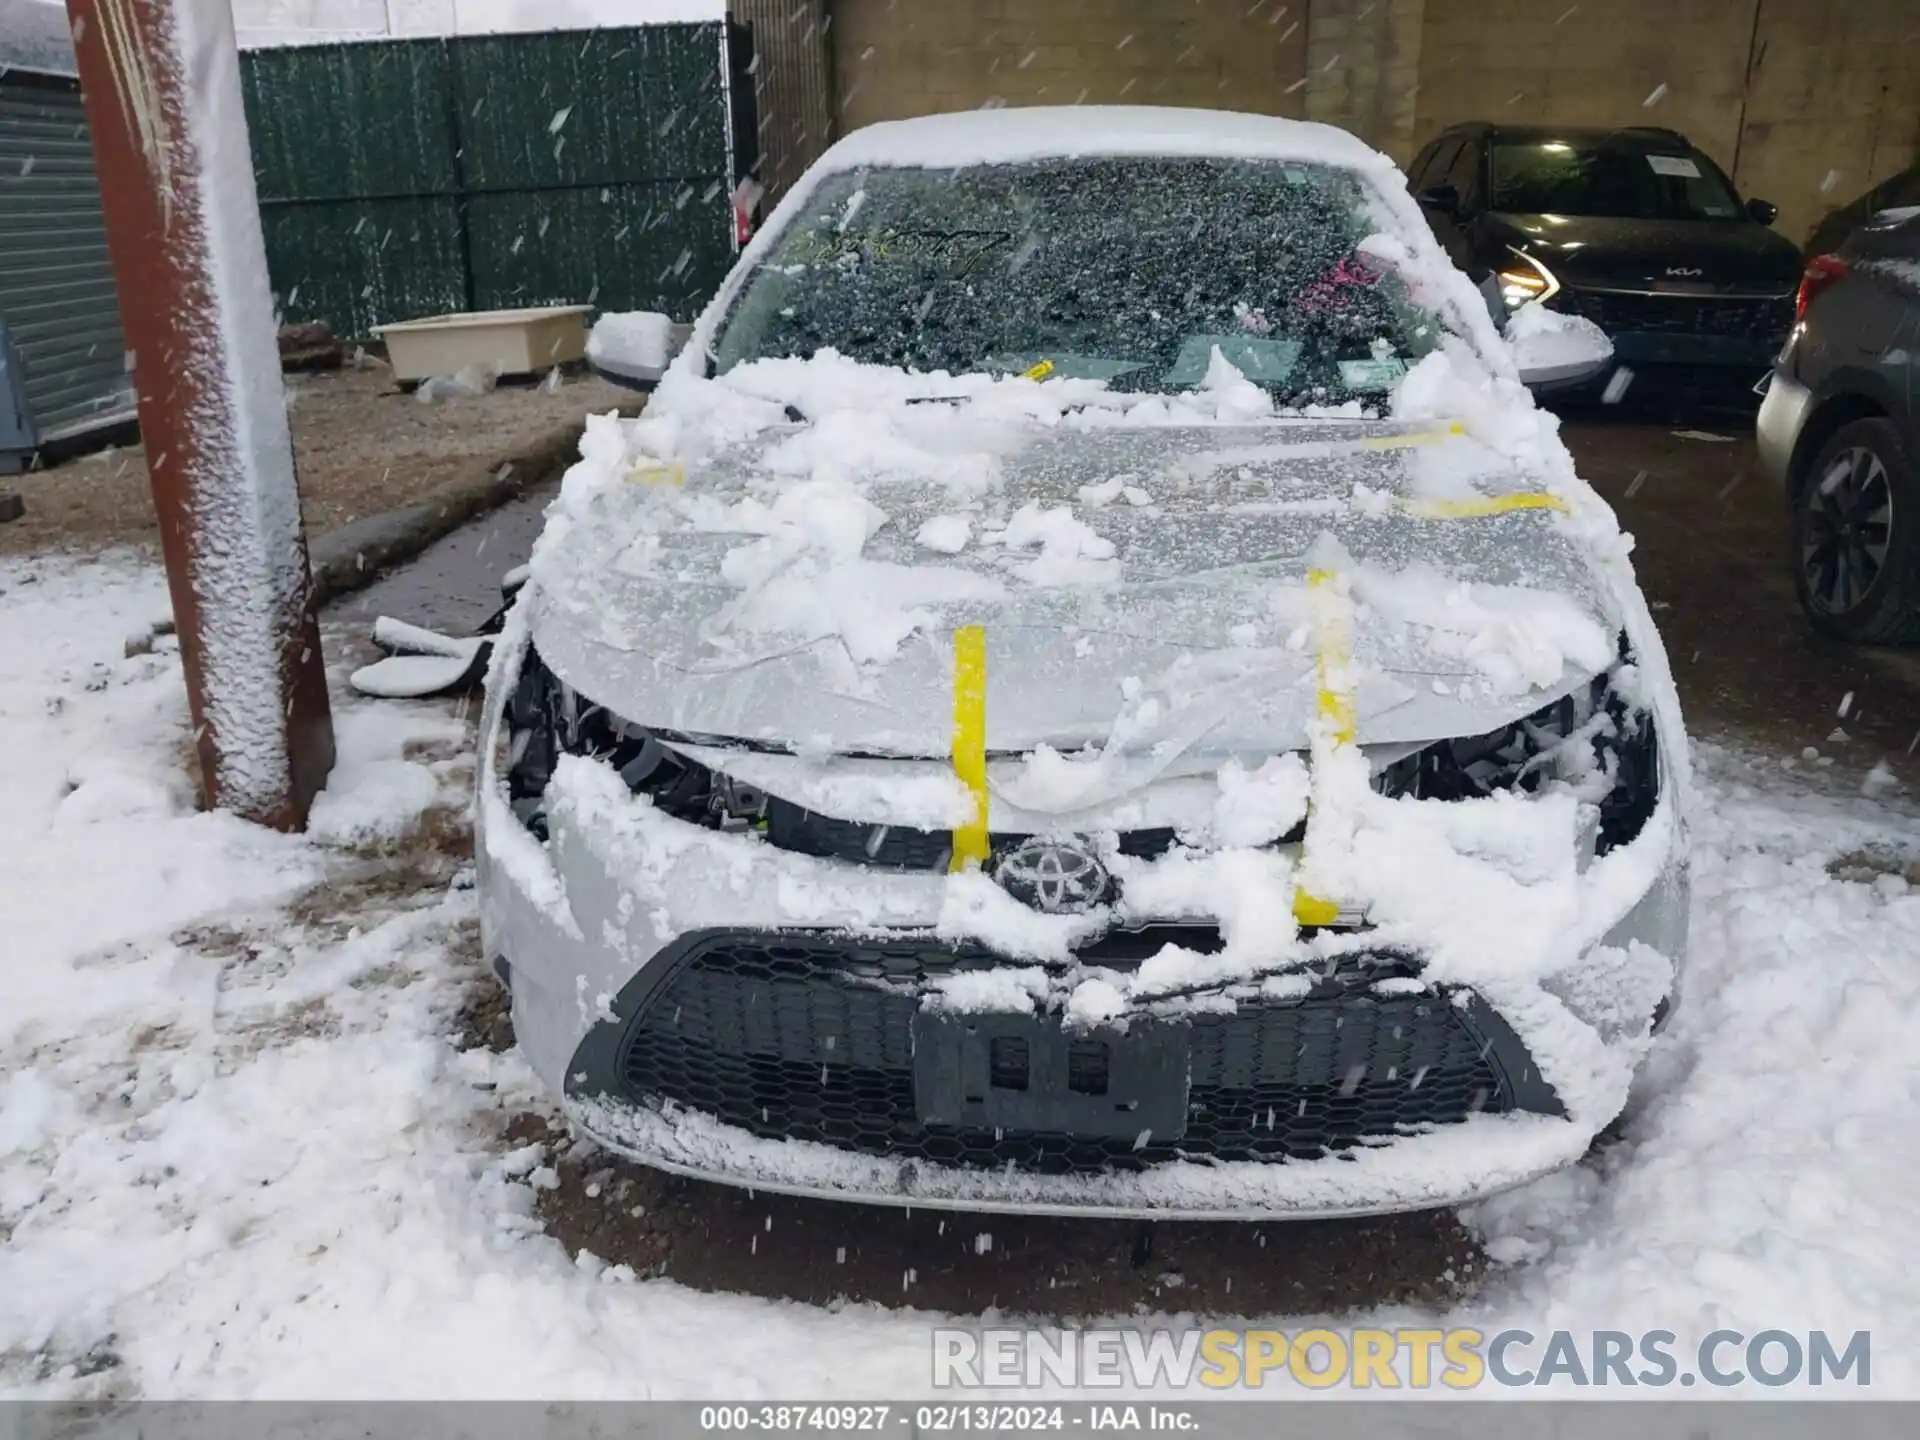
(1090, 689)
(1839, 429)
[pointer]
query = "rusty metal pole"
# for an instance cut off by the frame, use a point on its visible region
(162, 86)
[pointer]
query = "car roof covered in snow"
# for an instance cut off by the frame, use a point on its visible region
(1002, 136)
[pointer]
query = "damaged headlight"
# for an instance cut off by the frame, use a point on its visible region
(547, 718)
(1593, 741)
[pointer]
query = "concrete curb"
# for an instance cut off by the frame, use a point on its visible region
(356, 554)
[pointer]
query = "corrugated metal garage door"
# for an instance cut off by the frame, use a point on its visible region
(792, 82)
(56, 282)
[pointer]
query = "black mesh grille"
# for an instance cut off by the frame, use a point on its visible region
(1765, 320)
(812, 1038)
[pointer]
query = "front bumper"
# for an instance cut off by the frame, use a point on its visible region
(770, 1075)
(807, 1060)
(700, 1004)
(1783, 415)
(1694, 334)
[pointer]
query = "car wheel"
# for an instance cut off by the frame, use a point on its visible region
(1856, 537)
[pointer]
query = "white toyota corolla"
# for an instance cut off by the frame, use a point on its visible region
(1091, 688)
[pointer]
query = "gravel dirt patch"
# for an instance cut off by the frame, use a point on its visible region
(362, 446)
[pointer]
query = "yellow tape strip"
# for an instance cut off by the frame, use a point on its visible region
(1417, 437)
(1312, 910)
(1333, 647)
(1038, 372)
(1333, 678)
(658, 472)
(1478, 508)
(970, 740)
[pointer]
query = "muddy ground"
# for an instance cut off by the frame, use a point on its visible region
(360, 443)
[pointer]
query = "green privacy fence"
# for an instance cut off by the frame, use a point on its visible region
(415, 177)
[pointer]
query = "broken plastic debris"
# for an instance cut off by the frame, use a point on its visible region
(469, 380)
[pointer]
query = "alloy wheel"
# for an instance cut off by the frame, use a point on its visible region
(1847, 531)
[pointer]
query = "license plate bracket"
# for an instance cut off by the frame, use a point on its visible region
(1030, 1073)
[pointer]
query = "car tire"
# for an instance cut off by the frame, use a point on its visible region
(1856, 536)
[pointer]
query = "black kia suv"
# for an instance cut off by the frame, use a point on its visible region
(1635, 229)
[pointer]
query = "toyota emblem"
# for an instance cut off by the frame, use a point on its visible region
(1056, 877)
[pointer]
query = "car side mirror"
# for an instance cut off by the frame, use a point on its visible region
(1551, 349)
(1762, 212)
(1443, 198)
(634, 348)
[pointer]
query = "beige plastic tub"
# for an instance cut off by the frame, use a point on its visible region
(511, 342)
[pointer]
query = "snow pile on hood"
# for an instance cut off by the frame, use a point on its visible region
(805, 576)
(1070, 553)
(836, 418)
(1514, 638)
(833, 420)
(833, 440)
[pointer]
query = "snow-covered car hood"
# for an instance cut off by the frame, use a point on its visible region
(1141, 585)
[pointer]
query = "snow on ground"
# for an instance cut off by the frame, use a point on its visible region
(242, 1153)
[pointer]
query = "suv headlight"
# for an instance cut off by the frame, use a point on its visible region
(1525, 278)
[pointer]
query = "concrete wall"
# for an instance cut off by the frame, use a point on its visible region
(1833, 106)
(1806, 102)
(1590, 63)
(1363, 68)
(915, 57)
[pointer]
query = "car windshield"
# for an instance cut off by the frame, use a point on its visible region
(1629, 182)
(1131, 271)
